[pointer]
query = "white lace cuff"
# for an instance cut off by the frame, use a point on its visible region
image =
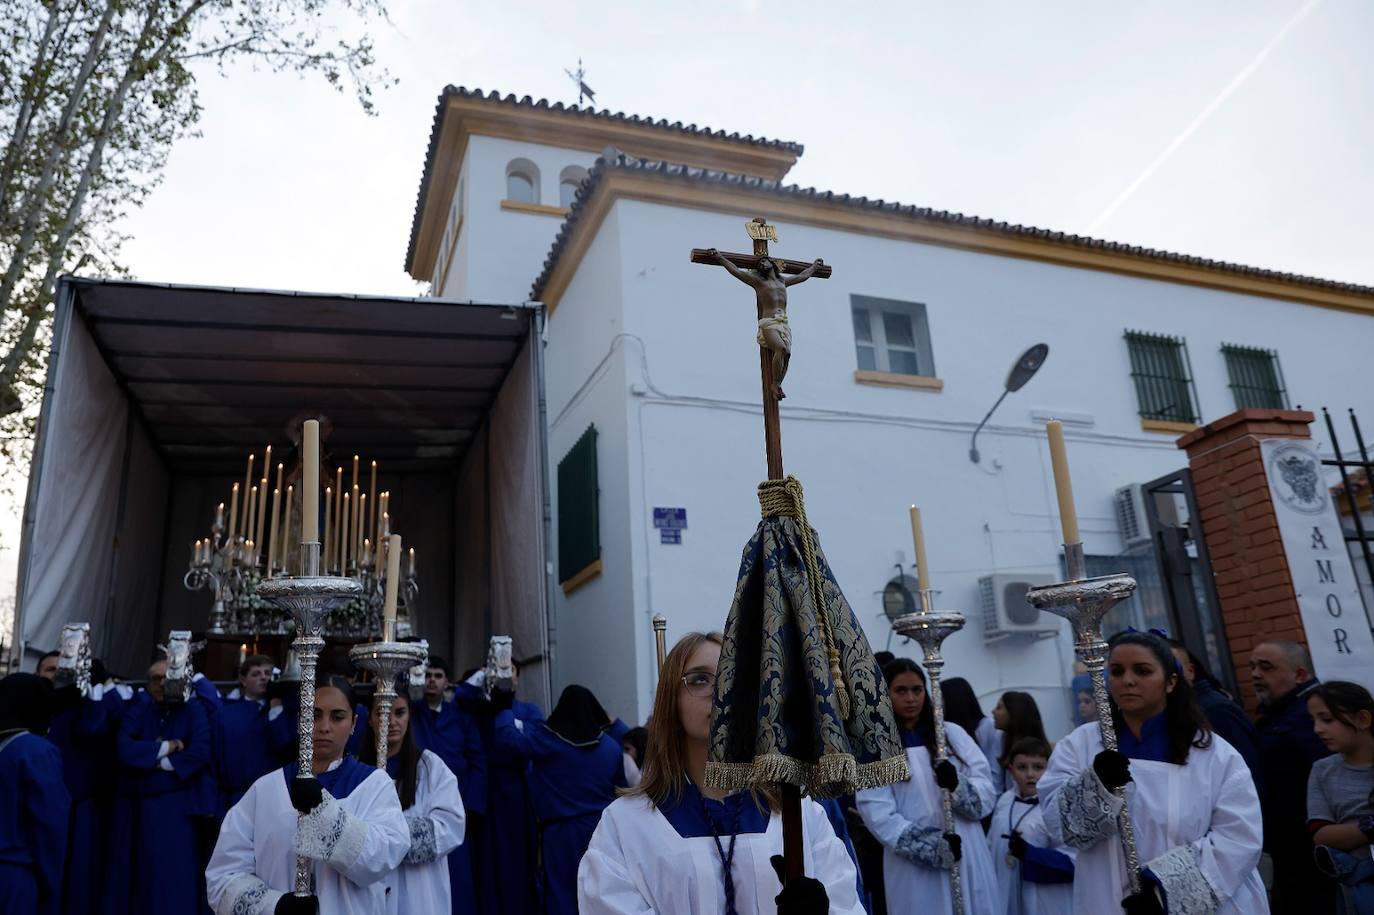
(1088, 810)
(1186, 890)
(247, 895)
(422, 845)
(926, 847)
(329, 834)
(966, 801)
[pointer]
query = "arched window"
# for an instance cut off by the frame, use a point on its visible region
(522, 181)
(568, 182)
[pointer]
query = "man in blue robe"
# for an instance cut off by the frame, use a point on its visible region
(164, 750)
(258, 737)
(451, 734)
(504, 853)
(85, 735)
(34, 803)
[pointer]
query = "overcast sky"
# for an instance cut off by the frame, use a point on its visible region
(1233, 129)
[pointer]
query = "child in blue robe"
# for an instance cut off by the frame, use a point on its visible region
(34, 803)
(576, 769)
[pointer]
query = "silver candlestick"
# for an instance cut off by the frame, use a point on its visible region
(1083, 602)
(309, 598)
(386, 660)
(930, 629)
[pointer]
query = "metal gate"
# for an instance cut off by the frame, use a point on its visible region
(1353, 504)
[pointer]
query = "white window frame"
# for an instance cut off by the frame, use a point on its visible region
(915, 312)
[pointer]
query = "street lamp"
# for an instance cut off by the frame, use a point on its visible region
(1027, 364)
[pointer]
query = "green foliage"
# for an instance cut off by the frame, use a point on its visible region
(93, 95)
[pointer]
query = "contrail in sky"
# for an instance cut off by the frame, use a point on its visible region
(1198, 121)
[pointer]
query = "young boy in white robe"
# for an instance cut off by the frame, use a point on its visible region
(428, 791)
(673, 847)
(353, 830)
(1193, 807)
(1034, 877)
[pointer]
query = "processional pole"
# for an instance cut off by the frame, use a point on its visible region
(661, 638)
(309, 598)
(1084, 601)
(930, 629)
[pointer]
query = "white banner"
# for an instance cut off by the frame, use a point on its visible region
(1333, 614)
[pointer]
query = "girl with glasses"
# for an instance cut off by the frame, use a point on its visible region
(673, 846)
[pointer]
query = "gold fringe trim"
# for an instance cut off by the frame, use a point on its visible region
(833, 775)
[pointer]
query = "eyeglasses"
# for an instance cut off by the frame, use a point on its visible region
(699, 683)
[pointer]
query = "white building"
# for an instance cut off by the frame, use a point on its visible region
(896, 359)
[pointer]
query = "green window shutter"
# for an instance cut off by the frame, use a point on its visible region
(579, 525)
(1256, 379)
(1163, 377)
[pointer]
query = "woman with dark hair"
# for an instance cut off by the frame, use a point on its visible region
(352, 829)
(963, 708)
(575, 768)
(1017, 718)
(34, 802)
(907, 818)
(1193, 807)
(674, 846)
(428, 791)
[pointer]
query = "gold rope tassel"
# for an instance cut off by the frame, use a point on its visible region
(784, 498)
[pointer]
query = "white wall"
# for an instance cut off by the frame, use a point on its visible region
(866, 453)
(501, 251)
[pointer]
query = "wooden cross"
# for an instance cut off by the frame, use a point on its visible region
(774, 351)
(771, 289)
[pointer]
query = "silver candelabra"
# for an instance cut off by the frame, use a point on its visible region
(309, 598)
(930, 629)
(1084, 602)
(386, 659)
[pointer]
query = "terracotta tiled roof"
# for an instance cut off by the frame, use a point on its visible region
(922, 214)
(575, 111)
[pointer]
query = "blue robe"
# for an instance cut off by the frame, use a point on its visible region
(86, 736)
(452, 735)
(504, 852)
(570, 786)
(34, 807)
(156, 811)
(253, 746)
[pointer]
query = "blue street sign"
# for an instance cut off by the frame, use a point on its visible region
(673, 519)
(670, 535)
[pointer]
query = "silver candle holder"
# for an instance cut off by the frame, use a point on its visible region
(309, 598)
(1084, 602)
(74, 658)
(930, 629)
(386, 660)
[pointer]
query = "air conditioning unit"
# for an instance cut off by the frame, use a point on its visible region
(1130, 516)
(1007, 613)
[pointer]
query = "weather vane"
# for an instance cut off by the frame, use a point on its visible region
(583, 90)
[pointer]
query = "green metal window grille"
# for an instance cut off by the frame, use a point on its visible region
(1256, 379)
(1163, 377)
(579, 525)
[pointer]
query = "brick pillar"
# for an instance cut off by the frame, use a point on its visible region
(1253, 583)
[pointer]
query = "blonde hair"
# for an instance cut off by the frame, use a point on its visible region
(665, 753)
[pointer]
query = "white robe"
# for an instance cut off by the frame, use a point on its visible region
(254, 862)
(1197, 827)
(1017, 896)
(891, 811)
(637, 863)
(437, 824)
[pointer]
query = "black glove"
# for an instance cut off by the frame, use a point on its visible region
(946, 776)
(306, 793)
(956, 845)
(1366, 824)
(502, 699)
(802, 896)
(1146, 902)
(1017, 845)
(1113, 769)
(291, 904)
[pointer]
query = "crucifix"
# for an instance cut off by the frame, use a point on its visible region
(769, 277)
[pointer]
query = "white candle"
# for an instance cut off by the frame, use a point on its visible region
(919, 538)
(372, 504)
(262, 513)
(357, 525)
(310, 481)
(337, 531)
(250, 505)
(285, 549)
(219, 516)
(327, 553)
(393, 578)
(1063, 483)
(412, 562)
(272, 535)
(243, 653)
(233, 515)
(247, 485)
(345, 528)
